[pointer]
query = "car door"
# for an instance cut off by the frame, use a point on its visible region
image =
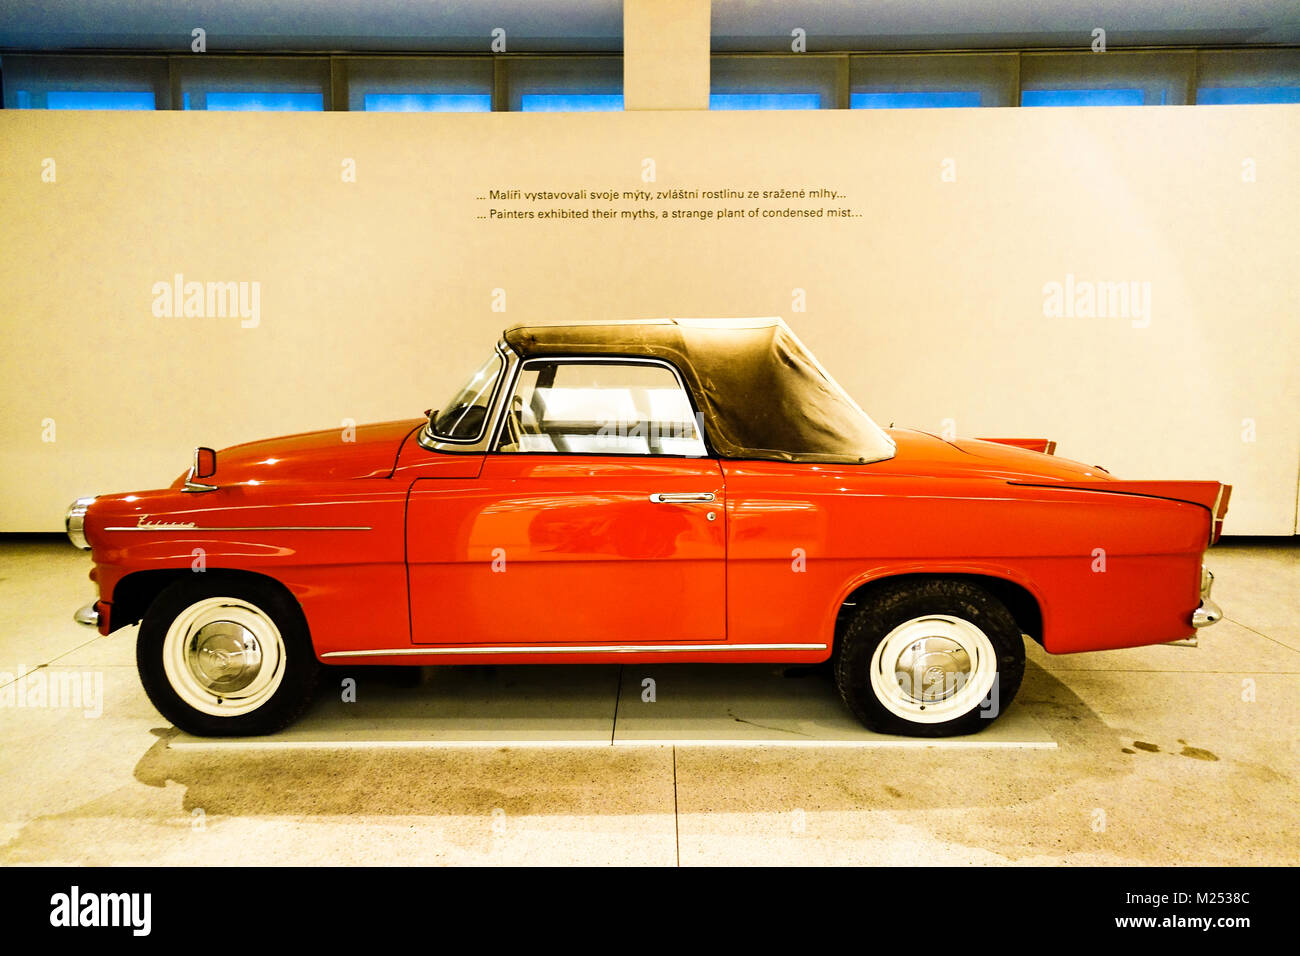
(597, 517)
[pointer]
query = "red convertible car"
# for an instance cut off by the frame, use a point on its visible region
(666, 491)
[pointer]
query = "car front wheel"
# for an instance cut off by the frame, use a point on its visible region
(933, 658)
(221, 656)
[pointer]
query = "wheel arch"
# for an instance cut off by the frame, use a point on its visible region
(1025, 606)
(136, 591)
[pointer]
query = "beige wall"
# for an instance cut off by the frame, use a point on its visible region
(377, 296)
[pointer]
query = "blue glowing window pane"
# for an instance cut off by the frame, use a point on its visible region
(571, 102)
(1219, 95)
(272, 102)
(98, 100)
(765, 101)
(914, 100)
(428, 102)
(1082, 98)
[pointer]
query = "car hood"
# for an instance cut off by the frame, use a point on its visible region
(921, 453)
(365, 451)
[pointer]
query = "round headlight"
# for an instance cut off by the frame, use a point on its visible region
(75, 522)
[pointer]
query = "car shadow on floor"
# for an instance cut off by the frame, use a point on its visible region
(561, 778)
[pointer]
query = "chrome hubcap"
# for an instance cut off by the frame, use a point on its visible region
(932, 669)
(224, 657)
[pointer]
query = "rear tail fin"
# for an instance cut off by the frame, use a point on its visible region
(1044, 445)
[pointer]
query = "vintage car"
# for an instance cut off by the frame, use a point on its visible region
(661, 491)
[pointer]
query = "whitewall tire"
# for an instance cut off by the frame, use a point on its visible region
(226, 655)
(931, 657)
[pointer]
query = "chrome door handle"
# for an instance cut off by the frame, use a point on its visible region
(664, 499)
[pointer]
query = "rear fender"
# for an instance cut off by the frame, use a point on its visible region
(1211, 495)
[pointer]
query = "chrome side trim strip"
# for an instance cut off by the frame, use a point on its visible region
(245, 528)
(575, 649)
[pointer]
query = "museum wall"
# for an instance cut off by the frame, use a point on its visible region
(1121, 280)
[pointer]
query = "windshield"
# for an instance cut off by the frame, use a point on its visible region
(462, 418)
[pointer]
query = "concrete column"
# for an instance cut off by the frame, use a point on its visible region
(666, 54)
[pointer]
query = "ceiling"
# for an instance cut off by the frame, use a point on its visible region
(980, 24)
(596, 25)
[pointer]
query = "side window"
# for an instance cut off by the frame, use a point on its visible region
(600, 408)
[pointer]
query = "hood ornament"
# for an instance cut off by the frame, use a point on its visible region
(205, 466)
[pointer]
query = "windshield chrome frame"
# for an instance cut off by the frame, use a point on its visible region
(431, 442)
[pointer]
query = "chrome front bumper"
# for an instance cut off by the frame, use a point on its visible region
(88, 615)
(1209, 612)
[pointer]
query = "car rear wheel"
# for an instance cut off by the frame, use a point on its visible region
(932, 658)
(226, 657)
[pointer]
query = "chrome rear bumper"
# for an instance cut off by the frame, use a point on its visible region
(1209, 612)
(88, 615)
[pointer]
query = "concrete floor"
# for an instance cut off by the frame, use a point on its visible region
(1155, 755)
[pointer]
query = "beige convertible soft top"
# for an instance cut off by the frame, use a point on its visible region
(761, 393)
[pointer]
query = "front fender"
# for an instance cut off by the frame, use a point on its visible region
(327, 544)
